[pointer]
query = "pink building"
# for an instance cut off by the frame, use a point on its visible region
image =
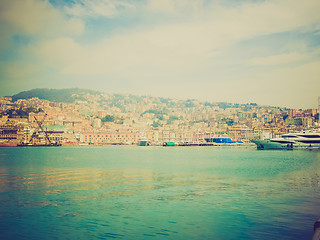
(110, 138)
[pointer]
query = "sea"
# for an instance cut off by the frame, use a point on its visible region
(153, 192)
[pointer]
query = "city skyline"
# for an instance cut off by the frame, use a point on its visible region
(266, 52)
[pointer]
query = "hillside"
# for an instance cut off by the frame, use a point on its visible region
(146, 110)
(55, 95)
(125, 102)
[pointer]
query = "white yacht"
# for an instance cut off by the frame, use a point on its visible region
(305, 139)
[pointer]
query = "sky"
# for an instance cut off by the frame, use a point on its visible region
(249, 51)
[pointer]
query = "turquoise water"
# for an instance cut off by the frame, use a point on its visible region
(131, 192)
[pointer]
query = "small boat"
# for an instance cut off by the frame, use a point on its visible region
(169, 144)
(143, 141)
(221, 140)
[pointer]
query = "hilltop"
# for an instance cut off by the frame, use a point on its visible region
(72, 95)
(69, 95)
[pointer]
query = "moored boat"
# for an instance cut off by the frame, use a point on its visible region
(221, 140)
(169, 144)
(143, 141)
(269, 145)
(289, 141)
(8, 144)
(39, 145)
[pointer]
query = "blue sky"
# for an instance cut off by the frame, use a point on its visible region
(266, 52)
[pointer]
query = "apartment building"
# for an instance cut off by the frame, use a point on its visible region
(109, 137)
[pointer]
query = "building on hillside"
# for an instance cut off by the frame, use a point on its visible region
(34, 117)
(96, 123)
(240, 132)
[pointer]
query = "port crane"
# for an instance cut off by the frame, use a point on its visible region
(40, 129)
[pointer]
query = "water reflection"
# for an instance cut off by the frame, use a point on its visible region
(90, 184)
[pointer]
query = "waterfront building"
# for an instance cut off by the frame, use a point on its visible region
(109, 137)
(11, 132)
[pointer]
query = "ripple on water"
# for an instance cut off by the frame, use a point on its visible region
(159, 193)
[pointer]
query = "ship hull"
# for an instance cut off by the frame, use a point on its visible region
(268, 145)
(143, 143)
(39, 145)
(8, 145)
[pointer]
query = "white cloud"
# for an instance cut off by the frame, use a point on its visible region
(291, 86)
(161, 6)
(191, 42)
(97, 8)
(18, 69)
(280, 59)
(56, 53)
(37, 17)
(187, 8)
(159, 50)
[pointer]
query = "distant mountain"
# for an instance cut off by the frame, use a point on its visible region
(55, 95)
